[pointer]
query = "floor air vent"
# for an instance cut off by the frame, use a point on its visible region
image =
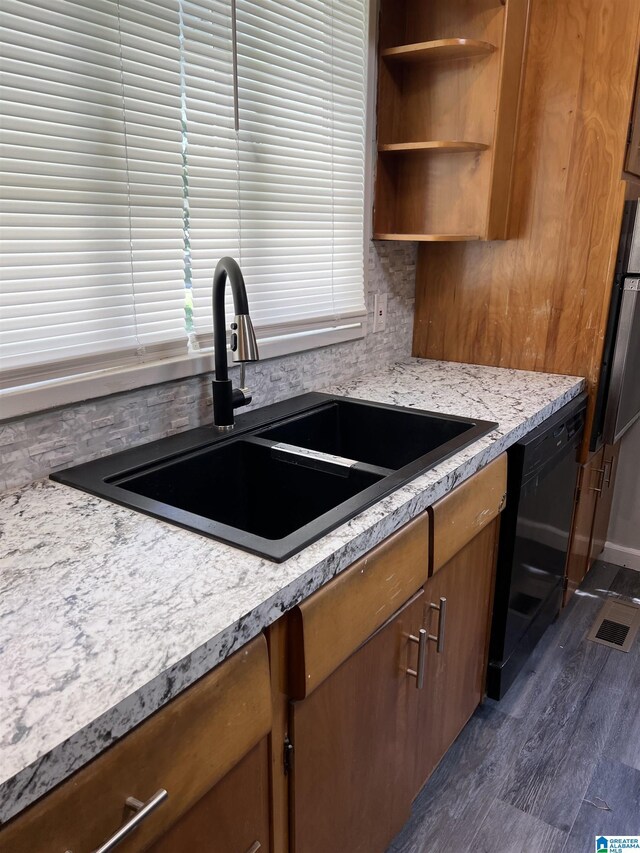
(612, 632)
(616, 626)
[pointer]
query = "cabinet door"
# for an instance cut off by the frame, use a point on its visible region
(589, 485)
(455, 675)
(353, 739)
(604, 500)
(232, 818)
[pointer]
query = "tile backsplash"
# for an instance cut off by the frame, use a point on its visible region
(32, 447)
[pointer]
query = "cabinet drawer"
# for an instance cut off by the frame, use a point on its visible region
(461, 515)
(185, 748)
(332, 623)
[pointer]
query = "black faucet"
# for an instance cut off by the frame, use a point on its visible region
(243, 343)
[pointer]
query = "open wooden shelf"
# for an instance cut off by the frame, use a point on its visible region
(437, 50)
(441, 195)
(444, 146)
(428, 238)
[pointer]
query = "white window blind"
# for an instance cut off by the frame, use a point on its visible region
(301, 85)
(150, 49)
(144, 139)
(91, 179)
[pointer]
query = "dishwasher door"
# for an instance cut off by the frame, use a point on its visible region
(534, 541)
(543, 528)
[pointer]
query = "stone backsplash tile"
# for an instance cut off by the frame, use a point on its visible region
(33, 447)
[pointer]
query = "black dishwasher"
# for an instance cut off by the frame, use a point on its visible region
(534, 541)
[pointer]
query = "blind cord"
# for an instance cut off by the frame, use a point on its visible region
(193, 345)
(332, 114)
(236, 118)
(140, 346)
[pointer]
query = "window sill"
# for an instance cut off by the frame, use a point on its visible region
(52, 394)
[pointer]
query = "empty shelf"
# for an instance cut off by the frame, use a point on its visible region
(428, 238)
(433, 51)
(443, 146)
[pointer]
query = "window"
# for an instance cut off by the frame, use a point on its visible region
(145, 139)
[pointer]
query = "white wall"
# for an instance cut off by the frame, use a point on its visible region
(623, 540)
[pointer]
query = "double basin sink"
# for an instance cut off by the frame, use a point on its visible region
(285, 476)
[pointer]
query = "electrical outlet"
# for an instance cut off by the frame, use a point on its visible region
(379, 312)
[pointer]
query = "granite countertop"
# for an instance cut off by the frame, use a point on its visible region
(105, 614)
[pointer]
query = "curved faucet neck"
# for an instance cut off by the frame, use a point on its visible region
(243, 342)
(226, 270)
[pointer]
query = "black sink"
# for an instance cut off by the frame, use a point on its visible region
(242, 484)
(379, 435)
(288, 473)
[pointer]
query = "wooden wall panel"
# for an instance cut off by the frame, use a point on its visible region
(539, 300)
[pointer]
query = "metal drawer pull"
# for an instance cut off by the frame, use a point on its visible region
(141, 812)
(602, 472)
(442, 624)
(607, 477)
(254, 847)
(418, 673)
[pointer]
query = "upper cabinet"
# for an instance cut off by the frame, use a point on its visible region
(448, 88)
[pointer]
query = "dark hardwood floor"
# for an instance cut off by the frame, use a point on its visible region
(557, 761)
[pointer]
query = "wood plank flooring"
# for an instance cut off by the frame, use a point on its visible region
(557, 761)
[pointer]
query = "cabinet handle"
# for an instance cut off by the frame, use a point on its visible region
(254, 847)
(141, 811)
(442, 624)
(602, 472)
(607, 476)
(418, 673)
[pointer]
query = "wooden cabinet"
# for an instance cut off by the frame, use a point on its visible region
(349, 655)
(233, 817)
(461, 515)
(206, 749)
(366, 740)
(449, 81)
(594, 498)
(604, 500)
(367, 729)
(331, 624)
(457, 613)
(580, 547)
(353, 741)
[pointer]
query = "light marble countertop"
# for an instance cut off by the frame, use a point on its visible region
(105, 614)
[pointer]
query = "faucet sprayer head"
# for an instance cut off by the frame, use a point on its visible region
(244, 346)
